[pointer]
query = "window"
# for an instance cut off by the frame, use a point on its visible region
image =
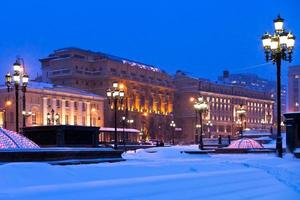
(57, 103)
(67, 103)
(75, 105)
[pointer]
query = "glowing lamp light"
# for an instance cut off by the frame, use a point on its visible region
(116, 93)
(115, 84)
(108, 93)
(121, 86)
(25, 79)
(278, 23)
(274, 43)
(8, 103)
(122, 93)
(266, 40)
(283, 38)
(290, 40)
(8, 78)
(16, 78)
(17, 67)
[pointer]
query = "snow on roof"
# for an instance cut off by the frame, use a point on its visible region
(60, 88)
(128, 130)
(255, 133)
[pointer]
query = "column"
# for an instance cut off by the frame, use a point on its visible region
(63, 112)
(79, 116)
(88, 114)
(71, 112)
(45, 111)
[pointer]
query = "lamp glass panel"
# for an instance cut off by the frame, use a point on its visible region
(278, 25)
(274, 44)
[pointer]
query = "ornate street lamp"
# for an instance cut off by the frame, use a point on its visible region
(19, 78)
(116, 96)
(173, 126)
(201, 107)
(209, 124)
(57, 118)
(241, 112)
(278, 46)
(123, 126)
(48, 119)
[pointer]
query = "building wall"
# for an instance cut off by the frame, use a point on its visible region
(223, 101)
(293, 88)
(149, 91)
(72, 109)
(254, 82)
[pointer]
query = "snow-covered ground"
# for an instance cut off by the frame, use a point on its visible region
(158, 173)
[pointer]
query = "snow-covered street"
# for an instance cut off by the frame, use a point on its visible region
(158, 173)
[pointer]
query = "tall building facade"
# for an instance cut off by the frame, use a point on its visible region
(294, 88)
(49, 104)
(254, 82)
(149, 91)
(223, 101)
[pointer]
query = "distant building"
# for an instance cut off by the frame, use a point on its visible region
(149, 90)
(223, 101)
(254, 82)
(49, 104)
(294, 88)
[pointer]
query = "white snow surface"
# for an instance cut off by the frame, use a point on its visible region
(158, 173)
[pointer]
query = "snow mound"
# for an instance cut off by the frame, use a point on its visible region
(245, 143)
(13, 140)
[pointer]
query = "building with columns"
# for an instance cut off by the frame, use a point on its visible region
(49, 104)
(223, 103)
(149, 91)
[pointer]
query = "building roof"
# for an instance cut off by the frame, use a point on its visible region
(49, 87)
(108, 56)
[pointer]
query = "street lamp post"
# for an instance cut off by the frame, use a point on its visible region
(19, 78)
(201, 107)
(52, 118)
(123, 126)
(278, 46)
(116, 96)
(241, 112)
(209, 125)
(173, 126)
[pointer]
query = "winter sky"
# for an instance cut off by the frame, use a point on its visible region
(201, 38)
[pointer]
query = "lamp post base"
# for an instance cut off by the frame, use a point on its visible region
(279, 146)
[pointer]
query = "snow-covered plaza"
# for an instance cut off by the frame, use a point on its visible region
(157, 173)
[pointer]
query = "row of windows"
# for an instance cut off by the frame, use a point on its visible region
(67, 104)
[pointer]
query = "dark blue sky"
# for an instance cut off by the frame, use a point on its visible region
(200, 37)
